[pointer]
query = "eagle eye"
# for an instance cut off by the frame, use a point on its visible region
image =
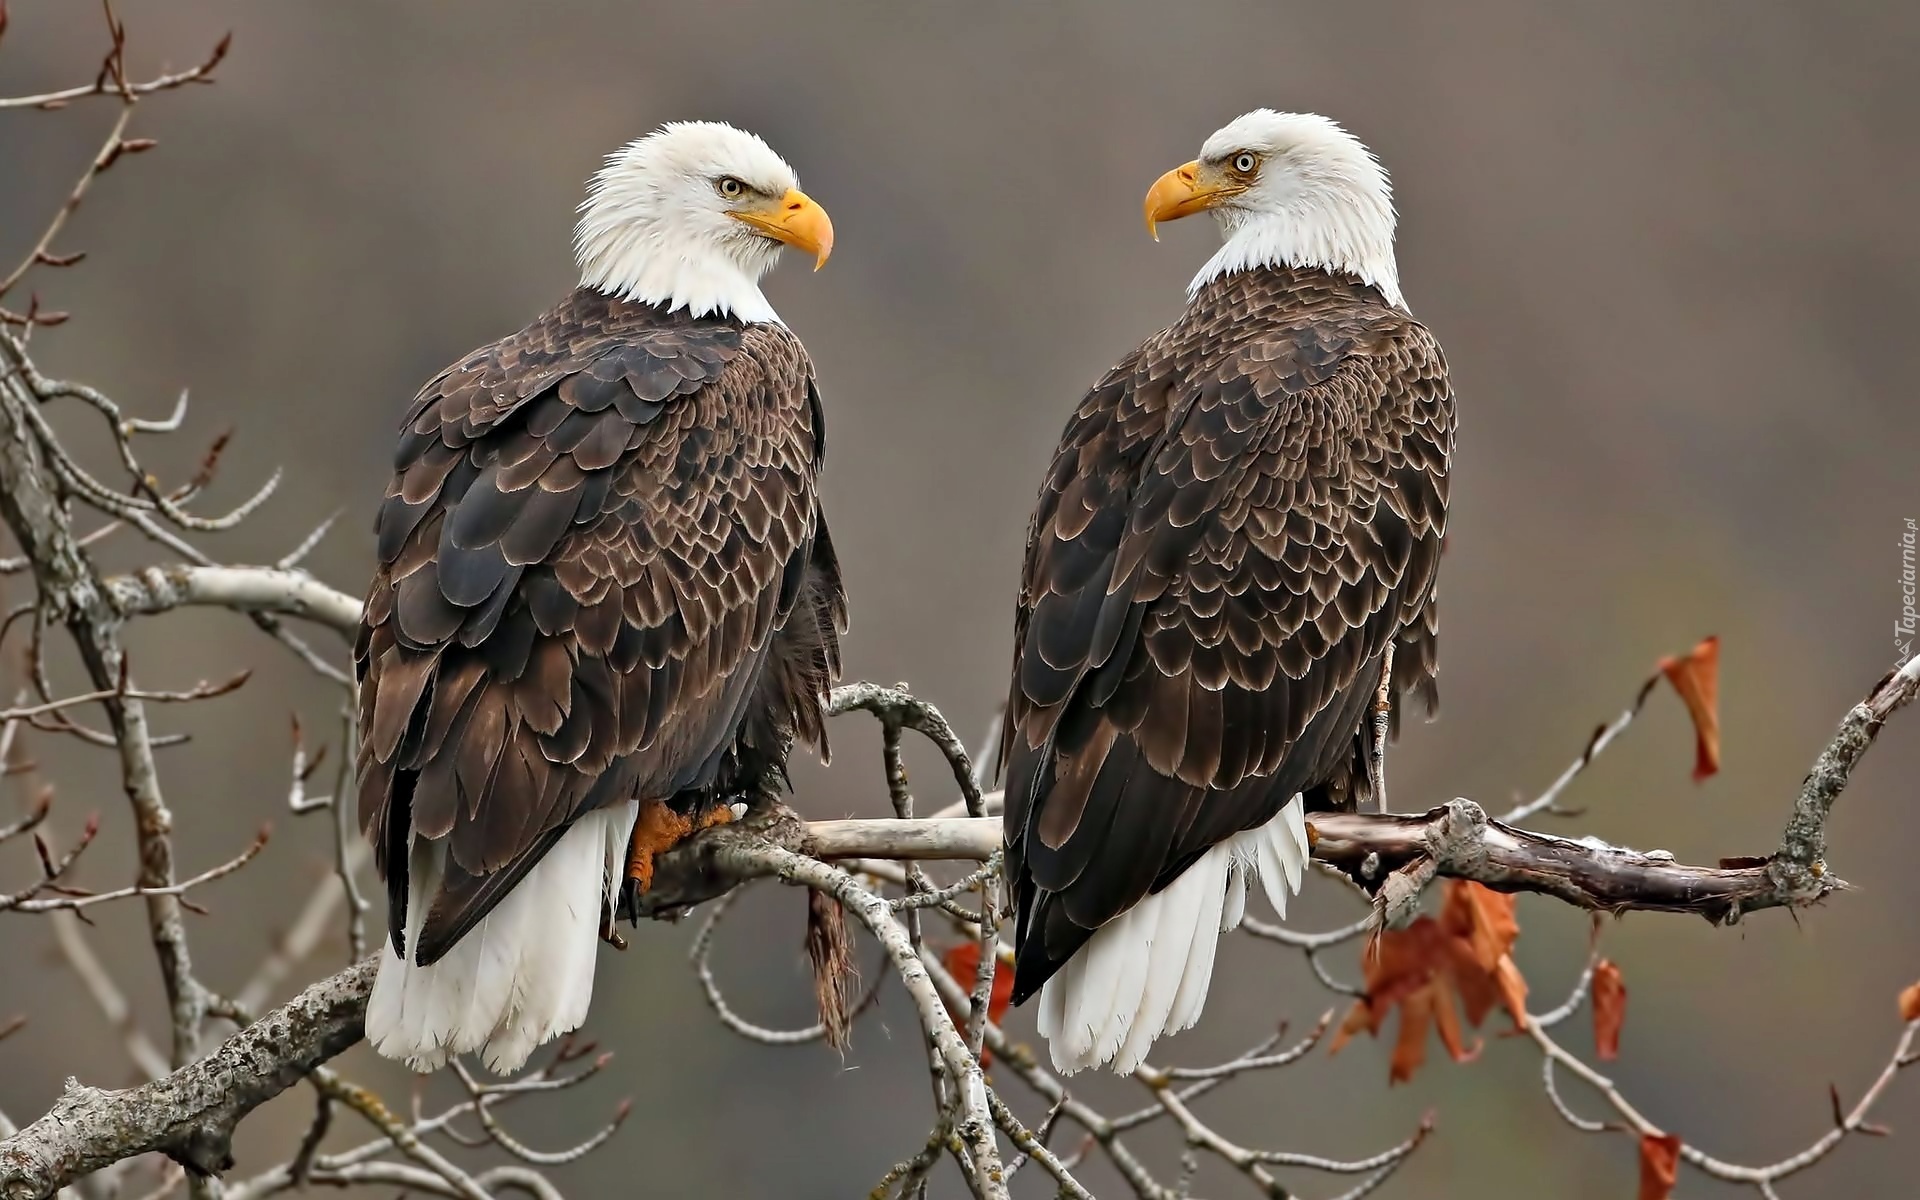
(730, 187)
(1244, 162)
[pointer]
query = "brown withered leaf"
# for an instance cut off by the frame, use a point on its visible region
(1659, 1166)
(1416, 1016)
(1609, 1009)
(962, 961)
(1696, 676)
(1428, 1007)
(1910, 1004)
(1483, 927)
(1433, 970)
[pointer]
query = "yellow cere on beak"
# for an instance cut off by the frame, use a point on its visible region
(796, 220)
(1185, 190)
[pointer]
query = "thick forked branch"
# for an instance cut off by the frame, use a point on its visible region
(1458, 839)
(191, 1114)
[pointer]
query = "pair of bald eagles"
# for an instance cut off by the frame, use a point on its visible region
(607, 601)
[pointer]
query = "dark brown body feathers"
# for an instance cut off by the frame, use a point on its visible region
(1240, 518)
(603, 575)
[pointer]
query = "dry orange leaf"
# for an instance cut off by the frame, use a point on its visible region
(1483, 927)
(1910, 1004)
(1609, 1009)
(1696, 676)
(962, 961)
(1659, 1166)
(1433, 969)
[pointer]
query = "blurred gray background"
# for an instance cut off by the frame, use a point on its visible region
(1670, 251)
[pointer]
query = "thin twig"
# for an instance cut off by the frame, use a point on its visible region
(56, 903)
(519, 1150)
(160, 83)
(701, 955)
(200, 691)
(109, 151)
(975, 1128)
(1601, 739)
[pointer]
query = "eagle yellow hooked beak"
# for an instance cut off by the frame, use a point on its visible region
(1185, 190)
(796, 220)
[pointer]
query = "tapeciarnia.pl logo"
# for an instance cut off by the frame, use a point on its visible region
(1903, 627)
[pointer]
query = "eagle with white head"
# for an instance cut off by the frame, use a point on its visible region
(1234, 547)
(606, 601)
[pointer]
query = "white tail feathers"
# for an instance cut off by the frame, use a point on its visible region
(519, 978)
(1145, 973)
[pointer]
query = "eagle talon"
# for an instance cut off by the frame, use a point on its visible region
(659, 829)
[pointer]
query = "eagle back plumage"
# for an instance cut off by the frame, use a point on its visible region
(603, 575)
(1240, 518)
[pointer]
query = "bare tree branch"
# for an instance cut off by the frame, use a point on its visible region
(750, 857)
(89, 899)
(104, 85)
(191, 1114)
(1800, 866)
(1458, 839)
(276, 590)
(70, 592)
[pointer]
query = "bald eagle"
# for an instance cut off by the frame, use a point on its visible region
(1239, 531)
(606, 600)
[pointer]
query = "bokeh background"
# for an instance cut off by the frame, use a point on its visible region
(1670, 251)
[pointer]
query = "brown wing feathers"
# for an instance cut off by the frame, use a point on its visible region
(596, 537)
(1238, 521)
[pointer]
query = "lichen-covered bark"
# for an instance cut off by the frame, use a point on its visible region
(189, 1115)
(1460, 841)
(1801, 863)
(1379, 850)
